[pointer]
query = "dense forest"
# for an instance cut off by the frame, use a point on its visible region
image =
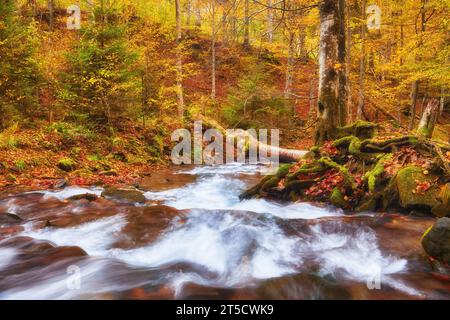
(92, 90)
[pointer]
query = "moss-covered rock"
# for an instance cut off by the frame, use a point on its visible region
(442, 209)
(367, 205)
(338, 199)
(407, 181)
(436, 241)
(373, 175)
(66, 164)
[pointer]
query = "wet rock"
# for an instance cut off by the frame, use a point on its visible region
(34, 253)
(436, 241)
(147, 225)
(303, 286)
(124, 195)
(85, 196)
(443, 208)
(10, 230)
(61, 183)
(411, 197)
(165, 180)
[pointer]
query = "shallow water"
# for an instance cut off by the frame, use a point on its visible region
(209, 244)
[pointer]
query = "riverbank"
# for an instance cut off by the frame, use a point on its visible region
(44, 156)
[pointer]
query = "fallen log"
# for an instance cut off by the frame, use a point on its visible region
(285, 155)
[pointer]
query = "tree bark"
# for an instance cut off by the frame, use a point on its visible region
(415, 85)
(342, 61)
(329, 70)
(347, 67)
(362, 64)
(247, 24)
(289, 66)
(213, 51)
(428, 120)
(51, 13)
(179, 75)
(269, 21)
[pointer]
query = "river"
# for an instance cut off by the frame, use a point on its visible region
(198, 240)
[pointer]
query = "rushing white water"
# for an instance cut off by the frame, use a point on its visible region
(237, 242)
(72, 191)
(219, 187)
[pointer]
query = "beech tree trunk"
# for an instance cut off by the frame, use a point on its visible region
(362, 64)
(51, 13)
(347, 67)
(213, 52)
(269, 21)
(289, 66)
(329, 73)
(179, 76)
(342, 61)
(247, 24)
(428, 120)
(415, 85)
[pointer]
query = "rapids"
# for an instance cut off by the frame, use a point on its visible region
(200, 241)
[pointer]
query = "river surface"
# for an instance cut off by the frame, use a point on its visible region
(198, 240)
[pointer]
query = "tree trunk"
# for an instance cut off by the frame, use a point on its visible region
(311, 98)
(428, 120)
(198, 15)
(442, 101)
(179, 75)
(347, 68)
(213, 52)
(247, 24)
(51, 13)
(362, 63)
(289, 66)
(413, 105)
(415, 85)
(328, 100)
(269, 21)
(342, 61)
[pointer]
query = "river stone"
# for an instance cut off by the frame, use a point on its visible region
(443, 208)
(146, 225)
(165, 180)
(124, 195)
(407, 179)
(436, 241)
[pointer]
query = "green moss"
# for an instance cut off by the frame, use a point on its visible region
(372, 175)
(270, 183)
(407, 180)
(337, 198)
(309, 168)
(442, 209)
(66, 164)
(360, 129)
(11, 178)
(283, 170)
(367, 205)
(20, 165)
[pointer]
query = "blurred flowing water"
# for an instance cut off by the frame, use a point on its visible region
(200, 241)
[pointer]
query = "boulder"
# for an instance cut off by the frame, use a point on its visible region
(443, 208)
(146, 225)
(417, 189)
(165, 180)
(436, 241)
(124, 195)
